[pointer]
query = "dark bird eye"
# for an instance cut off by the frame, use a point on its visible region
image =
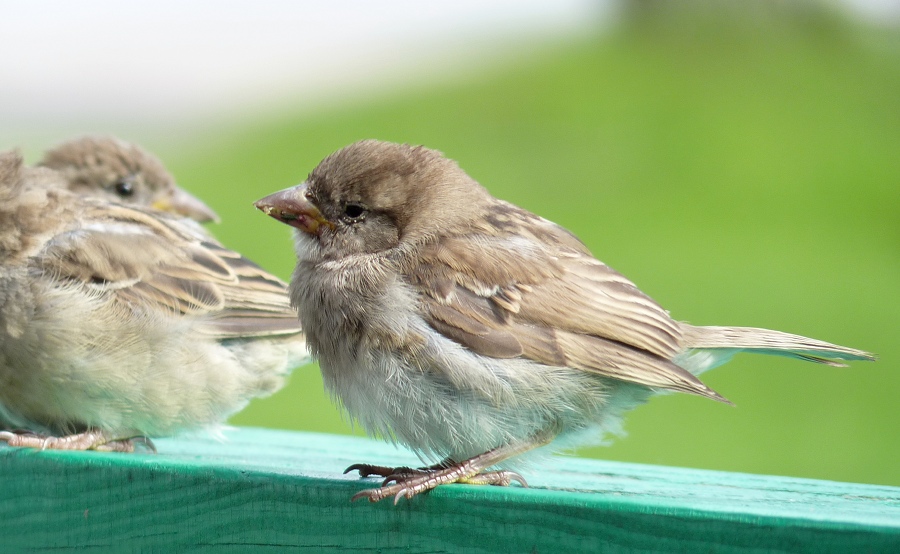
(353, 212)
(124, 187)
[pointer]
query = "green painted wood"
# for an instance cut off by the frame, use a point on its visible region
(261, 489)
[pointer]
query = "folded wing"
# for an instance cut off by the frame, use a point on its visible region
(156, 263)
(528, 288)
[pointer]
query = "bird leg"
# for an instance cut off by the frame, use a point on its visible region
(408, 482)
(92, 439)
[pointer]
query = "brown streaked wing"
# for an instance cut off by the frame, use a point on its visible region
(471, 320)
(539, 271)
(591, 298)
(161, 264)
(504, 294)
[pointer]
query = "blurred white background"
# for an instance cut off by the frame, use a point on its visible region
(112, 66)
(107, 66)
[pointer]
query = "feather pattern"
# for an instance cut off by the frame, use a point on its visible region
(509, 307)
(127, 253)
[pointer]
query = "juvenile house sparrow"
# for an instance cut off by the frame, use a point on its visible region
(118, 322)
(471, 330)
(122, 172)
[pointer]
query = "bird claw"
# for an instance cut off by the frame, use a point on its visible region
(401, 474)
(401, 494)
(89, 440)
(368, 493)
(374, 495)
(390, 474)
(367, 470)
(145, 443)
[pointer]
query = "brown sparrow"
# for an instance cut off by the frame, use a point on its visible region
(122, 172)
(119, 322)
(471, 330)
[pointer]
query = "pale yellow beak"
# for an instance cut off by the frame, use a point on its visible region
(185, 204)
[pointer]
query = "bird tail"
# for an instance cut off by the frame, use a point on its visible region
(708, 347)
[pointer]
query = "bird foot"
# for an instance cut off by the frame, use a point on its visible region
(93, 439)
(407, 482)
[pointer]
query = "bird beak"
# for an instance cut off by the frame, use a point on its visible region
(182, 203)
(293, 207)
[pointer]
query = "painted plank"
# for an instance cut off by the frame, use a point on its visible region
(261, 489)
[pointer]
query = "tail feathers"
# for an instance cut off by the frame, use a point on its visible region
(766, 341)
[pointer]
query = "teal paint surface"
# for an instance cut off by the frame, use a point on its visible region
(261, 489)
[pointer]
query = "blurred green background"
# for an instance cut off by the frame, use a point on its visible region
(741, 164)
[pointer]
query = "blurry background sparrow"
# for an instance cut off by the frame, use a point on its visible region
(122, 321)
(471, 330)
(120, 171)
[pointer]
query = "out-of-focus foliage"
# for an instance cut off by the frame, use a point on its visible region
(741, 165)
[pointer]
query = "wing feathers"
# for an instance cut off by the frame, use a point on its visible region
(157, 263)
(613, 359)
(526, 287)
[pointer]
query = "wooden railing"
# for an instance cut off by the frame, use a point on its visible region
(260, 490)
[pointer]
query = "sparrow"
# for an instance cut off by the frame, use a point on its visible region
(119, 323)
(471, 330)
(122, 172)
